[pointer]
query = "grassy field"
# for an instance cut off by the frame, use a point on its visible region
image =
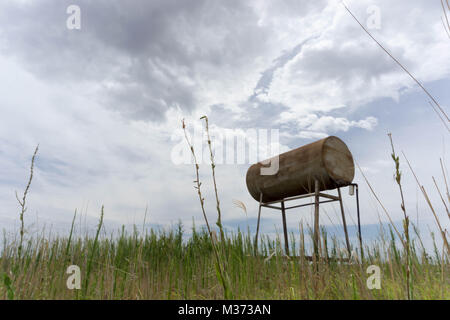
(161, 265)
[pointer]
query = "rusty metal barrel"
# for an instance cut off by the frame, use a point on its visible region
(329, 161)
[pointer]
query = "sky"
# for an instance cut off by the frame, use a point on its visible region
(105, 102)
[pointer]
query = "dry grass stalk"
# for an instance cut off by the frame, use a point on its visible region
(446, 24)
(398, 176)
(223, 278)
(427, 199)
(381, 204)
(440, 195)
(445, 179)
(92, 254)
(404, 69)
(22, 202)
(239, 204)
(213, 166)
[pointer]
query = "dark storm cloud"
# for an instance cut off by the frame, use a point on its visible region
(145, 56)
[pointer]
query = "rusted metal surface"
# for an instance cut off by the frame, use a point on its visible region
(328, 160)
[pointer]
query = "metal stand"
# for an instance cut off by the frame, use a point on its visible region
(359, 221)
(316, 236)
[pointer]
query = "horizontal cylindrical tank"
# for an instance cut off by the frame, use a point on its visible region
(328, 160)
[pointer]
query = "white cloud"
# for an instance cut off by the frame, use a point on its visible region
(343, 67)
(331, 124)
(319, 126)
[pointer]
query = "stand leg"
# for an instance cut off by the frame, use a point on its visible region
(286, 242)
(344, 223)
(257, 225)
(359, 224)
(316, 220)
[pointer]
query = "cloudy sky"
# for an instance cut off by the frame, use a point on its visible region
(105, 102)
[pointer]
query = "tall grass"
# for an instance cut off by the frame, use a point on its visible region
(406, 240)
(221, 272)
(445, 22)
(23, 201)
(161, 265)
